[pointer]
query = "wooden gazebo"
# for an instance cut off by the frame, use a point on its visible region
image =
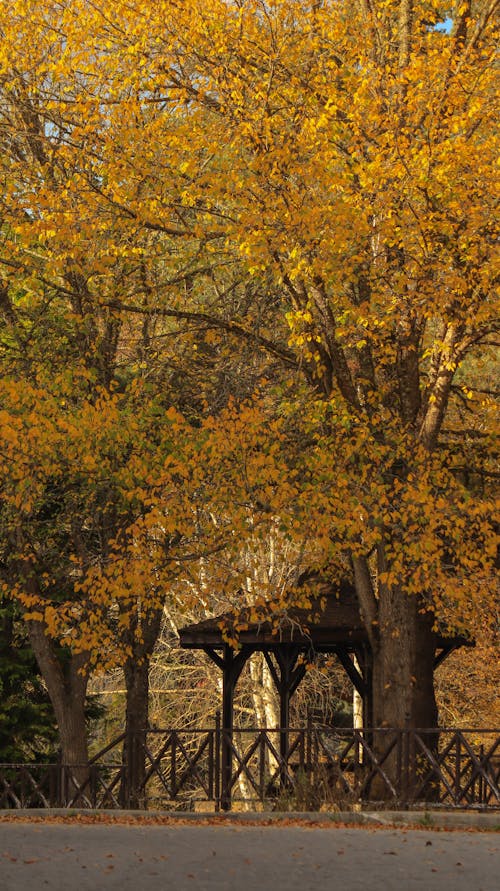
(288, 641)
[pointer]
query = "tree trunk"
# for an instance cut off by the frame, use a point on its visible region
(136, 670)
(403, 670)
(403, 690)
(132, 792)
(66, 680)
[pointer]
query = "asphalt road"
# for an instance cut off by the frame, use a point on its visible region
(39, 857)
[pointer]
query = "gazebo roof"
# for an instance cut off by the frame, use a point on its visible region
(332, 621)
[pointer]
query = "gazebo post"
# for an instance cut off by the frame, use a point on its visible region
(286, 661)
(289, 678)
(232, 667)
(228, 685)
(231, 664)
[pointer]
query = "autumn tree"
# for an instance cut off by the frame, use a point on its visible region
(86, 396)
(335, 162)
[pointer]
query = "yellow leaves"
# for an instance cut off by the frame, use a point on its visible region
(301, 324)
(34, 616)
(276, 144)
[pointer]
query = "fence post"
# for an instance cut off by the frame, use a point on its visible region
(308, 756)
(217, 758)
(173, 766)
(458, 768)
(93, 784)
(481, 791)
(59, 802)
(262, 765)
(211, 753)
(407, 765)
(128, 758)
(53, 772)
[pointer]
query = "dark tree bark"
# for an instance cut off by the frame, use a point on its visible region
(403, 692)
(403, 670)
(403, 644)
(66, 680)
(136, 670)
(136, 721)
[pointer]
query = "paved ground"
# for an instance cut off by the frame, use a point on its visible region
(238, 857)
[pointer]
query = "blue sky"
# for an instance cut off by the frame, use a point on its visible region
(445, 26)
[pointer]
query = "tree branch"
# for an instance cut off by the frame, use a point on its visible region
(367, 600)
(231, 327)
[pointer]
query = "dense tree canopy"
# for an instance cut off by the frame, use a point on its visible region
(308, 187)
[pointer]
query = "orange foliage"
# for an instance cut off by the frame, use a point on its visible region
(336, 161)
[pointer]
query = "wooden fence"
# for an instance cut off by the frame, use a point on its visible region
(323, 766)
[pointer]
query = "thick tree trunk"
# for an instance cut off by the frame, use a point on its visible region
(136, 670)
(403, 645)
(403, 669)
(403, 691)
(132, 792)
(66, 683)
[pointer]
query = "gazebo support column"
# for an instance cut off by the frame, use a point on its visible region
(232, 665)
(286, 681)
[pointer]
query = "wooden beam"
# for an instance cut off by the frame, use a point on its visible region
(272, 668)
(297, 676)
(349, 667)
(233, 664)
(215, 656)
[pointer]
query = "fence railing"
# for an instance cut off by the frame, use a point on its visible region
(319, 767)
